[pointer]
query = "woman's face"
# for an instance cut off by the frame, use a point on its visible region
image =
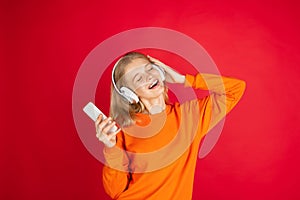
(143, 79)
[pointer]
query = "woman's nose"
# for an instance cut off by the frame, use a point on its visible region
(149, 77)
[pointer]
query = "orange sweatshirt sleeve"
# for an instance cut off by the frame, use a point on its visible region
(225, 93)
(115, 174)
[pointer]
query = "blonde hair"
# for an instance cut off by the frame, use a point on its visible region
(120, 109)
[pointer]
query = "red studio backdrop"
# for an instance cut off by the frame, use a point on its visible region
(43, 44)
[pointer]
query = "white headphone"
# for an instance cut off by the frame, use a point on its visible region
(127, 93)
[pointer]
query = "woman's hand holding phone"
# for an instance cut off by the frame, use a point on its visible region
(103, 133)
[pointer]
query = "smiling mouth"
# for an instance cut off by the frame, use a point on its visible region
(153, 85)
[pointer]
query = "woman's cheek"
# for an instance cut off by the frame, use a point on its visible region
(140, 91)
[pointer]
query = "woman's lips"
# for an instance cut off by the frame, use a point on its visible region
(153, 84)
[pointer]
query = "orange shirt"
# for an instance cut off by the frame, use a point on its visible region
(155, 159)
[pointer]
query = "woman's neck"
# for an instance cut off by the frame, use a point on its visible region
(154, 106)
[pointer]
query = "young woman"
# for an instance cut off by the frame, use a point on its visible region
(153, 155)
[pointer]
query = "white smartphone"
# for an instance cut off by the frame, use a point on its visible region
(93, 112)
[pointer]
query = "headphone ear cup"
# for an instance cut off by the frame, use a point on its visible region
(129, 95)
(161, 72)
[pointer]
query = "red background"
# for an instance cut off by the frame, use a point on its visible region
(44, 43)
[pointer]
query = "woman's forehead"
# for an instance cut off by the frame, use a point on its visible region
(136, 65)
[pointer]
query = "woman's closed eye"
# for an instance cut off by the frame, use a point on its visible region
(138, 78)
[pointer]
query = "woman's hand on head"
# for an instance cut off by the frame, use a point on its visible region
(103, 131)
(171, 75)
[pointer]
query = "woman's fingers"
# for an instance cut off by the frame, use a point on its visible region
(159, 63)
(103, 124)
(113, 134)
(109, 126)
